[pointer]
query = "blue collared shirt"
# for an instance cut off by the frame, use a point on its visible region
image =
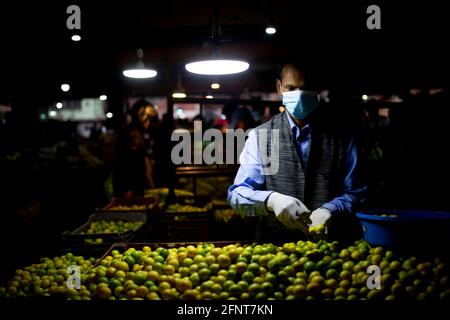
(247, 194)
(302, 138)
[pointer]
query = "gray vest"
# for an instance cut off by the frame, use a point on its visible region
(318, 183)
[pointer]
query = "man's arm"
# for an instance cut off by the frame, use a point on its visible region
(354, 190)
(246, 195)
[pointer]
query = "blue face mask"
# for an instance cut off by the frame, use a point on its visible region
(300, 103)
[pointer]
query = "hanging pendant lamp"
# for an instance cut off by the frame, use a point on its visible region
(215, 63)
(140, 71)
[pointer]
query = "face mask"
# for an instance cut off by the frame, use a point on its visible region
(300, 103)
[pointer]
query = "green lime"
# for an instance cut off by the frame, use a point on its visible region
(331, 283)
(248, 276)
(261, 296)
(267, 287)
(204, 274)
(254, 289)
(254, 268)
(130, 261)
(226, 286)
(271, 278)
(309, 266)
(348, 265)
(345, 254)
(336, 264)
(282, 276)
(243, 285)
(345, 275)
(340, 292)
(289, 270)
(331, 274)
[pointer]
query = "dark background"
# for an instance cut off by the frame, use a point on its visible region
(410, 49)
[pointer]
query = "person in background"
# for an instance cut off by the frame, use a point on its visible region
(133, 163)
(317, 178)
(242, 118)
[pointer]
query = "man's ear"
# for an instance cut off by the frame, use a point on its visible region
(279, 86)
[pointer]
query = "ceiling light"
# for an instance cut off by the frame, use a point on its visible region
(178, 95)
(365, 97)
(215, 85)
(52, 113)
(140, 71)
(103, 97)
(179, 92)
(217, 67)
(59, 105)
(65, 87)
(209, 97)
(109, 115)
(76, 38)
(215, 63)
(271, 30)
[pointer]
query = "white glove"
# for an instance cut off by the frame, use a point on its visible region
(289, 210)
(320, 216)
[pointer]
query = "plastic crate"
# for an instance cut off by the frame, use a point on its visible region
(181, 226)
(75, 241)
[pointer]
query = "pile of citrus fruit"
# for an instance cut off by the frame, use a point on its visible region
(47, 278)
(177, 207)
(134, 207)
(304, 270)
(226, 215)
(112, 226)
(162, 193)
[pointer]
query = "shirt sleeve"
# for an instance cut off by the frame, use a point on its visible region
(354, 191)
(246, 195)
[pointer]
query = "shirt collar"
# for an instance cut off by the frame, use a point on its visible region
(293, 125)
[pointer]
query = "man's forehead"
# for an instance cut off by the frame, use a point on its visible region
(289, 72)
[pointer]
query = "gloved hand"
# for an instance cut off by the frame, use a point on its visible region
(289, 210)
(320, 216)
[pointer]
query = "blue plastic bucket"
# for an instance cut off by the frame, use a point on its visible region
(406, 229)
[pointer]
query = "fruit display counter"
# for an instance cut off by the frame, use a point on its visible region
(238, 271)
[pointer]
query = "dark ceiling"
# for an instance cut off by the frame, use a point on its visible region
(37, 55)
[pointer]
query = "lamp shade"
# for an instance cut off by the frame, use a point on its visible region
(179, 92)
(178, 95)
(140, 71)
(217, 67)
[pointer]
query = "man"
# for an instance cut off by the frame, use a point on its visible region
(317, 161)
